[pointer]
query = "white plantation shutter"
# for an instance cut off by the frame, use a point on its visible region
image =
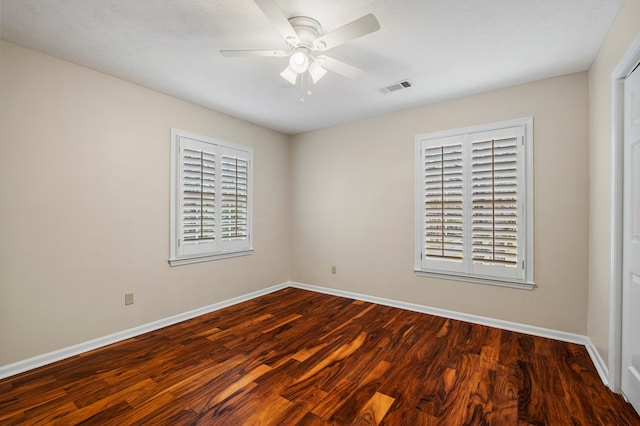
(197, 197)
(443, 203)
(234, 196)
(496, 202)
(211, 198)
(474, 202)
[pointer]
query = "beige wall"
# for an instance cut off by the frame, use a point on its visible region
(84, 175)
(624, 30)
(353, 205)
(84, 190)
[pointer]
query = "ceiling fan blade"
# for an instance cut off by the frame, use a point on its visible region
(278, 19)
(268, 53)
(362, 26)
(340, 67)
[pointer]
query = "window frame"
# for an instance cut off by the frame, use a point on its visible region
(219, 248)
(464, 270)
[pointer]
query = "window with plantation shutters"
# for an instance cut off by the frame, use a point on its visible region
(474, 204)
(210, 199)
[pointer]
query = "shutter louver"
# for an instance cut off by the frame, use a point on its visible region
(443, 198)
(234, 191)
(494, 171)
(198, 196)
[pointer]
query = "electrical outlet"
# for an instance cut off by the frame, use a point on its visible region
(128, 298)
(333, 269)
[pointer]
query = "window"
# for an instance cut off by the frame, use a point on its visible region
(474, 204)
(210, 199)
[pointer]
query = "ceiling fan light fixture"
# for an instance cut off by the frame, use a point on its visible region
(290, 75)
(316, 71)
(299, 61)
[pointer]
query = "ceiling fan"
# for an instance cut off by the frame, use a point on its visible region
(306, 43)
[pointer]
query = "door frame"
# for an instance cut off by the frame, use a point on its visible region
(627, 63)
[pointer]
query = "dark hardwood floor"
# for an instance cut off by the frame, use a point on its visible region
(298, 357)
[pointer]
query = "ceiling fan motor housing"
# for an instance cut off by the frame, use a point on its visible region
(307, 29)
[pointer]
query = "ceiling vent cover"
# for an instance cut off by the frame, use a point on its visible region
(400, 85)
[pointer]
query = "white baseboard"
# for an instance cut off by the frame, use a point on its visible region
(598, 362)
(475, 319)
(58, 355)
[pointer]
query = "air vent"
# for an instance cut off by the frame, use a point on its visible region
(404, 84)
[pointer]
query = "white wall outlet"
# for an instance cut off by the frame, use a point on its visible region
(128, 298)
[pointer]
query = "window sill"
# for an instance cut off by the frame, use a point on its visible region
(476, 280)
(189, 260)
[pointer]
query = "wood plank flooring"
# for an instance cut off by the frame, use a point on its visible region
(296, 357)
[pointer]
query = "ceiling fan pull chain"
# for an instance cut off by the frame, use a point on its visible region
(305, 86)
(307, 83)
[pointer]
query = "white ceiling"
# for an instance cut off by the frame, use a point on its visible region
(447, 48)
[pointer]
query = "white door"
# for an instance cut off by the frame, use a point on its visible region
(631, 242)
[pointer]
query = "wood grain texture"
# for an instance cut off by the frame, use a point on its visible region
(295, 357)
